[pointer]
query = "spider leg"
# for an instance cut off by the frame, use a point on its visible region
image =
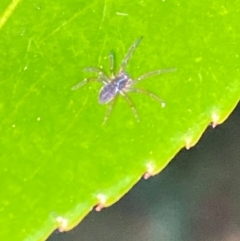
(108, 111)
(111, 58)
(83, 82)
(100, 73)
(150, 94)
(129, 54)
(152, 73)
(131, 105)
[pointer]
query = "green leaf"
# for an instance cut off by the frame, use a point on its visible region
(57, 160)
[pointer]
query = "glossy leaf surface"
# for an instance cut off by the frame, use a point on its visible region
(57, 160)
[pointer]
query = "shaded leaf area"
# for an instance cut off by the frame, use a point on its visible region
(57, 159)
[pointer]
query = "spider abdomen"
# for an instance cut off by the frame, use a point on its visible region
(107, 93)
(110, 90)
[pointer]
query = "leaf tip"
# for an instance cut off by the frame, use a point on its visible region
(188, 143)
(215, 119)
(149, 171)
(62, 223)
(101, 201)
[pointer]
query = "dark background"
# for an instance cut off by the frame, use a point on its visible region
(197, 197)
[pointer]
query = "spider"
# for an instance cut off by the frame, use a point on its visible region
(120, 83)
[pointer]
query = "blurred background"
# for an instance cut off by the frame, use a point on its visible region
(197, 197)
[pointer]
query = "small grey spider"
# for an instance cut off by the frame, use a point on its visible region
(120, 83)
